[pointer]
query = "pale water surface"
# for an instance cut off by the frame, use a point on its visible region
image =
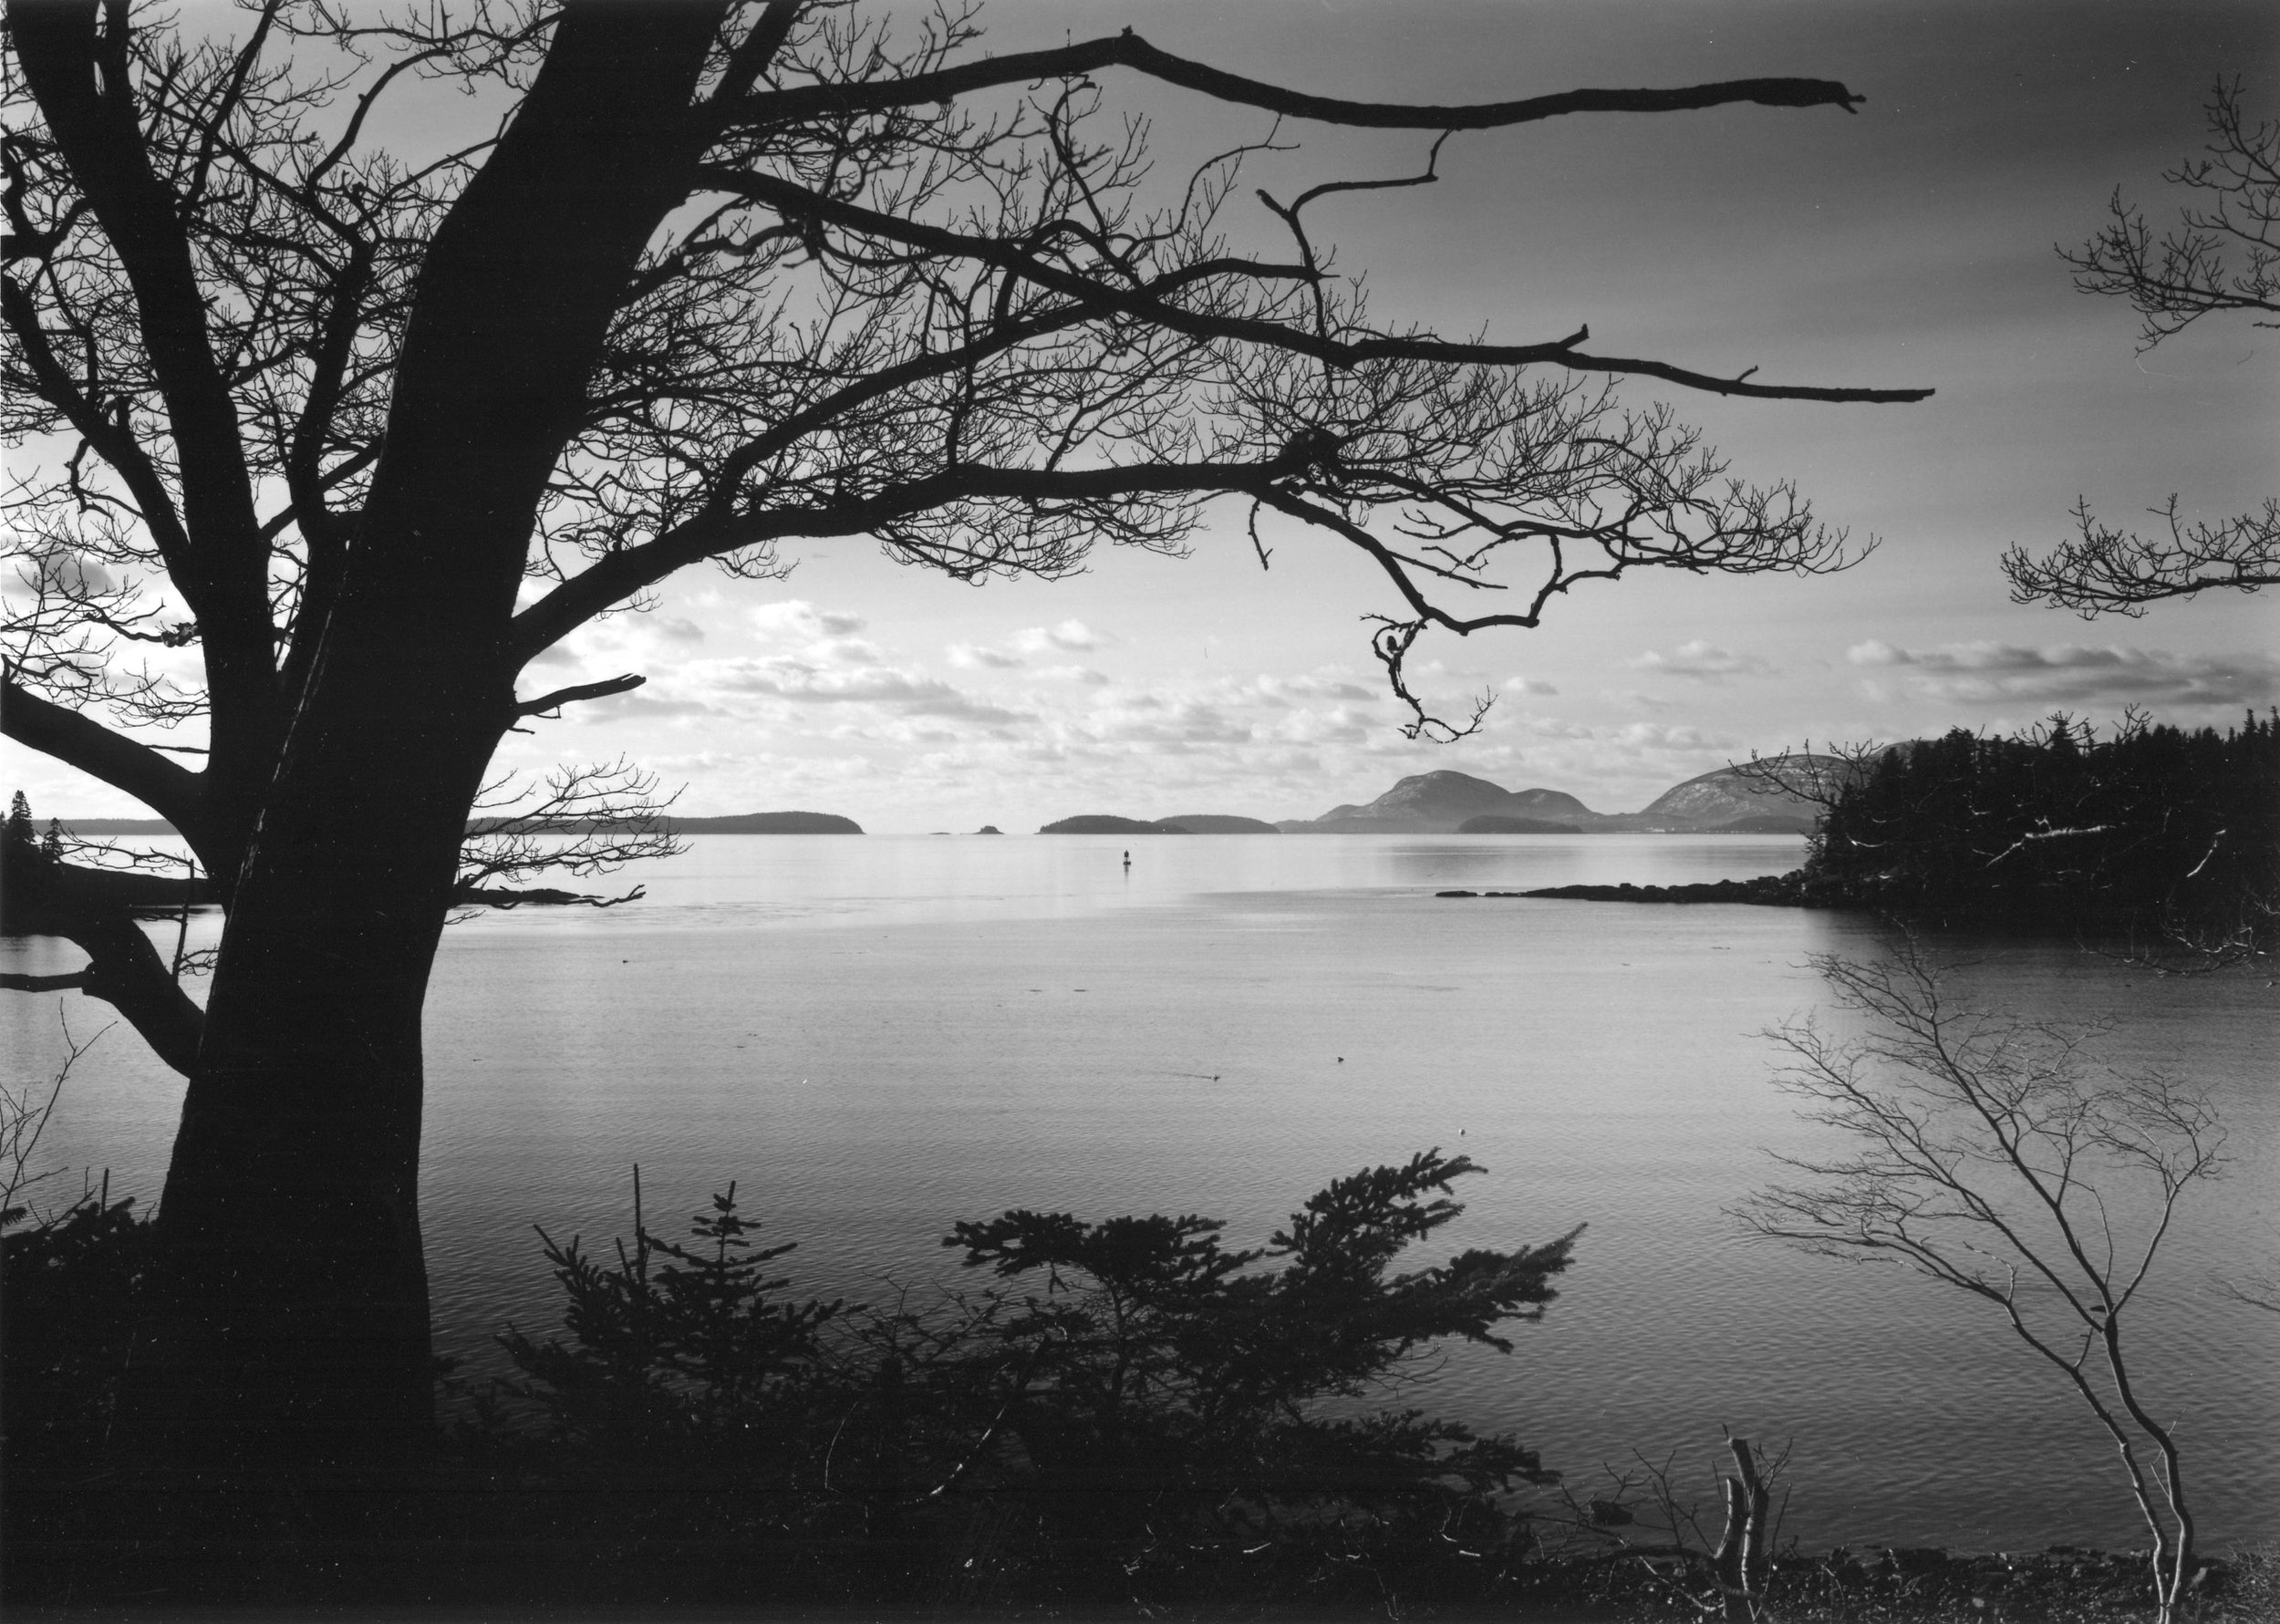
(879, 1036)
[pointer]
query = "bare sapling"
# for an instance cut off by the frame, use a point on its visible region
(24, 1111)
(1989, 1154)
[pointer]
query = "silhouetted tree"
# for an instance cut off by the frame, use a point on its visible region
(2107, 569)
(1987, 1155)
(1130, 1393)
(725, 276)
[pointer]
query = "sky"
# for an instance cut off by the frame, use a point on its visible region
(1910, 244)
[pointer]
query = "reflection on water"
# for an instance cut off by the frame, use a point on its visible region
(879, 1036)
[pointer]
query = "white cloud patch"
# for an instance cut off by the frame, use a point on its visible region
(1314, 686)
(1702, 662)
(846, 651)
(1069, 636)
(976, 657)
(1188, 723)
(1085, 675)
(1528, 687)
(909, 693)
(619, 707)
(796, 617)
(2073, 674)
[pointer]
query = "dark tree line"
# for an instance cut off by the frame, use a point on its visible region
(2151, 829)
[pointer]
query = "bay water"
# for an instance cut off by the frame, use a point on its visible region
(876, 1037)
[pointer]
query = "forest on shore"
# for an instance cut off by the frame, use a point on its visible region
(2149, 830)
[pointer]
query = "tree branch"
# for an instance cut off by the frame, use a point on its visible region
(623, 574)
(794, 201)
(173, 791)
(554, 701)
(95, 122)
(68, 982)
(2110, 570)
(43, 897)
(1129, 50)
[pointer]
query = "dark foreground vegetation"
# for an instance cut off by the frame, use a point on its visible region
(1129, 1418)
(1127, 1410)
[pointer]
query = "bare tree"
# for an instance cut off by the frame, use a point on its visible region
(2172, 283)
(1990, 1156)
(725, 276)
(1637, 1517)
(25, 1110)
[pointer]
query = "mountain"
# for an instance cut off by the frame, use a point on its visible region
(1437, 803)
(1724, 802)
(1726, 797)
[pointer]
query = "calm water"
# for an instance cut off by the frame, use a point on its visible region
(879, 1036)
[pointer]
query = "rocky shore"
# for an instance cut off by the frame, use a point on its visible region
(1792, 890)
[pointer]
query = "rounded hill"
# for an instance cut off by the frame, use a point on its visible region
(1102, 824)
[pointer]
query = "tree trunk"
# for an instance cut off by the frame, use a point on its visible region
(292, 1322)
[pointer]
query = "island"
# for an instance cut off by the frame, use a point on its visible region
(1102, 824)
(780, 822)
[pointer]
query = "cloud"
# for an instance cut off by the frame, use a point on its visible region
(974, 656)
(1658, 736)
(1318, 685)
(1528, 685)
(623, 642)
(1189, 723)
(1070, 634)
(1083, 674)
(796, 617)
(1703, 662)
(2074, 674)
(614, 708)
(846, 651)
(906, 692)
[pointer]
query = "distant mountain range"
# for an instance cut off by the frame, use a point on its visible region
(1445, 802)
(1724, 802)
